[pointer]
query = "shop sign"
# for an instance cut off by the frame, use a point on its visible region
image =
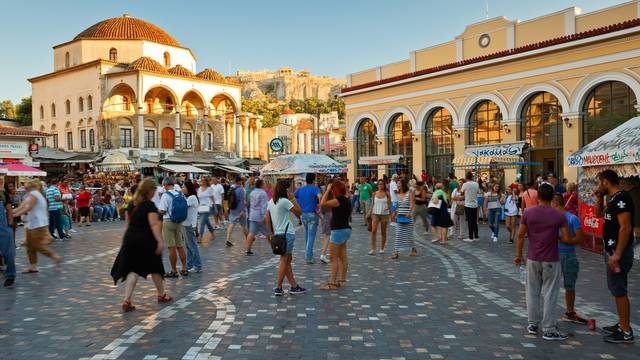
(613, 157)
(379, 160)
(13, 149)
(513, 149)
(33, 149)
(276, 145)
(590, 222)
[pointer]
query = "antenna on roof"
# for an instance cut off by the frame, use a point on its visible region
(486, 11)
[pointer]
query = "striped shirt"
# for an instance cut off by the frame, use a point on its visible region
(52, 192)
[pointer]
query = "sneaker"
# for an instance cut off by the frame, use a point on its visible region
(620, 337)
(229, 244)
(194, 270)
(510, 241)
(608, 330)
(310, 261)
(494, 238)
(278, 292)
(554, 335)
(532, 329)
(73, 230)
(297, 290)
(9, 282)
(324, 259)
(574, 318)
(393, 223)
(468, 240)
(381, 251)
(249, 253)
(371, 252)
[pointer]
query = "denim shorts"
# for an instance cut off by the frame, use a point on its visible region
(256, 227)
(290, 239)
(394, 206)
(340, 236)
(570, 268)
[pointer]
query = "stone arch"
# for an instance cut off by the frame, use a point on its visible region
(222, 96)
(80, 122)
(580, 93)
(471, 103)
(53, 127)
(526, 92)
(351, 132)
(390, 114)
(155, 98)
(67, 125)
(192, 99)
(124, 121)
(149, 123)
(428, 108)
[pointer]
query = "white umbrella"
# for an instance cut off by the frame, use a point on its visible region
(302, 164)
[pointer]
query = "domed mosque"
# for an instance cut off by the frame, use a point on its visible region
(124, 83)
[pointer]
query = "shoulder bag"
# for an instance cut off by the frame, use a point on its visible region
(279, 241)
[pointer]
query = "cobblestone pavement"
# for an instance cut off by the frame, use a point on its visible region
(461, 301)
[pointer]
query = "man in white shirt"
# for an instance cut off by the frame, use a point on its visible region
(172, 232)
(470, 190)
(218, 195)
(393, 191)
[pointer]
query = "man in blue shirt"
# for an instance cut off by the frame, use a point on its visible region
(569, 261)
(55, 211)
(308, 197)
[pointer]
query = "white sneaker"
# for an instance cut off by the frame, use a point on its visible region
(372, 252)
(468, 240)
(381, 251)
(393, 223)
(324, 259)
(494, 239)
(73, 230)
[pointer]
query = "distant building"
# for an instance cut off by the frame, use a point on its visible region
(286, 84)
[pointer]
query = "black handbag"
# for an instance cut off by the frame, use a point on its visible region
(279, 242)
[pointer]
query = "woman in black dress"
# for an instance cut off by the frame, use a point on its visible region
(141, 254)
(441, 219)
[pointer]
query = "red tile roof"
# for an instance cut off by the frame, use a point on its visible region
(13, 131)
(522, 49)
(127, 28)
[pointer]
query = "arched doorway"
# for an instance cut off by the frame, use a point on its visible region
(168, 138)
(607, 105)
(439, 142)
(401, 143)
(542, 130)
(365, 145)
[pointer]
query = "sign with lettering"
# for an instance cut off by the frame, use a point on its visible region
(13, 149)
(512, 149)
(619, 146)
(276, 145)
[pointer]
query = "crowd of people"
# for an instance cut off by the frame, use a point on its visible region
(181, 213)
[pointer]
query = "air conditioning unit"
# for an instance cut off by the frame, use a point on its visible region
(163, 156)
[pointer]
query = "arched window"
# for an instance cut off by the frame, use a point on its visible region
(126, 103)
(542, 130)
(41, 112)
(607, 105)
(66, 60)
(89, 102)
(80, 104)
(67, 107)
(113, 55)
(485, 124)
(401, 143)
(439, 142)
(92, 138)
(53, 110)
(365, 144)
(167, 59)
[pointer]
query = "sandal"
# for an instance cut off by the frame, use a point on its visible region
(172, 274)
(395, 255)
(127, 306)
(184, 273)
(342, 283)
(164, 298)
(329, 287)
(414, 252)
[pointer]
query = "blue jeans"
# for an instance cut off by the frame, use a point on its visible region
(7, 246)
(193, 253)
(55, 222)
(310, 222)
(109, 212)
(494, 220)
(204, 221)
(97, 212)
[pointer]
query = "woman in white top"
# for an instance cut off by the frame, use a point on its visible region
(493, 201)
(278, 218)
(207, 199)
(37, 236)
(511, 212)
(457, 211)
(194, 263)
(380, 215)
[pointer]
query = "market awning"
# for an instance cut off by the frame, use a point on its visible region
(183, 168)
(471, 162)
(234, 169)
(379, 160)
(302, 164)
(115, 161)
(21, 170)
(619, 147)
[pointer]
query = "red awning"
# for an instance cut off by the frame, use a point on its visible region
(21, 170)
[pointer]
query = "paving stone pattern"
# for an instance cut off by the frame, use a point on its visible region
(461, 301)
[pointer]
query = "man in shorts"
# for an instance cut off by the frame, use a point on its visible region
(237, 210)
(617, 234)
(258, 200)
(569, 261)
(365, 190)
(171, 231)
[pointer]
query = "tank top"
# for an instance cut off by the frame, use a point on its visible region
(380, 206)
(38, 216)
(340, 214)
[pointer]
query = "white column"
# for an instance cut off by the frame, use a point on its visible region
(140, 128)
(245, 138)
(256, 142)
(238, 129)
(177, 144)
(252, 144)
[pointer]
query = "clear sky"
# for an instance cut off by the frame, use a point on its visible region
(328, 37)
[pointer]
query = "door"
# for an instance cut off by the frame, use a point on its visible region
(168, 138)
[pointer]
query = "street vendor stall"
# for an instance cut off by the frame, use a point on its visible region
(618, 150)
(115, 166)
(286, 165)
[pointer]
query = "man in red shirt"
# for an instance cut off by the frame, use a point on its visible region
(84, 202)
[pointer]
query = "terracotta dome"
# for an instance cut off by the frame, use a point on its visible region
(180, 70)
(210, 74)
(127, 28)
(288, 111)
(146, 63)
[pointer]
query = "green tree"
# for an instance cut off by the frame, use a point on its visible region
(7, 110)
(23, 112)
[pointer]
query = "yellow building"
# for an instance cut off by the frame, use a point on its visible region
(124, 84)
(503, 92)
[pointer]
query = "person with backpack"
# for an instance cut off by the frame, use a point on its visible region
(237, 211)
(173, 208)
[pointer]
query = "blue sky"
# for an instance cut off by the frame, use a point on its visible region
(328, 37)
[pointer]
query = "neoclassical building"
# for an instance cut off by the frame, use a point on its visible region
(527, 93)
(124, 83)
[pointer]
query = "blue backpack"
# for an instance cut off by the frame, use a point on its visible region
(179, 208)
